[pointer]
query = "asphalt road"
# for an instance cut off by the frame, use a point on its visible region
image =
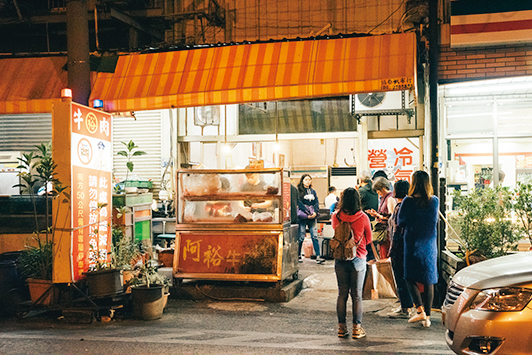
(305, 325)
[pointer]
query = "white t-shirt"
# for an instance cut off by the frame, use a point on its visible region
(330, 199)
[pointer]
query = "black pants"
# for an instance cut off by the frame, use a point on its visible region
(428, 295)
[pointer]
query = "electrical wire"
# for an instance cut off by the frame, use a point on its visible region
(387, 18)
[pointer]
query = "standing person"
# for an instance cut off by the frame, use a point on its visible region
(308, 207)
(396, 253)
(350, 273)
(369, 200)
(386, 207)
(331, 197)
(418, 216)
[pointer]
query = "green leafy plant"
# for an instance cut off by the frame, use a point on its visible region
(132, 151)
(149, 275)
(36, 261)
(523, 208)
(125, 251)
(485, 222)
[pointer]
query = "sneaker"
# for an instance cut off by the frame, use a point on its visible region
(418, 317)
(319, 260)
(396, 309)
(358, 331)
(400, 313)
(342, 330)
(426, 323)
(300, 259)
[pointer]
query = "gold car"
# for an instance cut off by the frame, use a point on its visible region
(488, 307)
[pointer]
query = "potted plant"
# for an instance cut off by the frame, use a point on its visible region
(130, 152)
(36, 266)
(124, 254)
(104, 278)
(149, 292)
(37, 259)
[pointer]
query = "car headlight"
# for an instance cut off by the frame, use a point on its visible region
(502, 299)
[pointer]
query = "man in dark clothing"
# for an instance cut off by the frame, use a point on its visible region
(368, 197)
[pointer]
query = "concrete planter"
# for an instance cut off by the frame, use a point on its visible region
(450, 264)
(149, 302)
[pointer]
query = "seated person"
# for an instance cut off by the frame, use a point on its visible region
(331, 197)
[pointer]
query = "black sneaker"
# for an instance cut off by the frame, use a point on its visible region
(300, 259)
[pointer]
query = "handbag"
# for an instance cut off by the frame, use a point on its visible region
(380, 280)
(379, 233)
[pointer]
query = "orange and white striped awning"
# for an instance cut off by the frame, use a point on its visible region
(259, 72)
(28, 85)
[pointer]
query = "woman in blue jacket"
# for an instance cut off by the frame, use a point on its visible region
(418, 216)
(308, 207)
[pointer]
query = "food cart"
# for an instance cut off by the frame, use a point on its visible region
(234, 225)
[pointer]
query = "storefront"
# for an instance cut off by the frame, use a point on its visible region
(286, 103)
(487, 131)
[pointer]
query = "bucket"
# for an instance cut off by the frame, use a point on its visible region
(308, 249)
(8, 279)
(105, 282)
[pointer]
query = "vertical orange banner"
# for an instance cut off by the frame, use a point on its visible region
(92, 163)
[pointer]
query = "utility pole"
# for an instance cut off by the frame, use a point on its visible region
(78, 51)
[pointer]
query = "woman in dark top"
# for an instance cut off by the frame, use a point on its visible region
(418, 216)
(397, 250)
(308, 207)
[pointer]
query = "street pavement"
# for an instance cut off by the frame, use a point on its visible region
(305, 325)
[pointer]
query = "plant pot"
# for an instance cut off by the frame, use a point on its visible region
(451, 264)
(38, 288)
(105, 282)
(148, 302)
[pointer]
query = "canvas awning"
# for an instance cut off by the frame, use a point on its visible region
(259, 72)
(28, 85)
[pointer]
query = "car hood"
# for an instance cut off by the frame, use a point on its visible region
(511, 270)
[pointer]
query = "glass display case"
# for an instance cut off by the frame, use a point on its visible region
(237, 197)
(234, 225)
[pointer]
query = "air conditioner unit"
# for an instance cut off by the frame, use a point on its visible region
(380, 101)
(343, 177)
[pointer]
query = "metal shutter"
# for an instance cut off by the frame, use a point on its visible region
(145, 130)
(23, 132)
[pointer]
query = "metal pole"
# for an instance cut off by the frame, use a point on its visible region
(496, 168)
(433, 92)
